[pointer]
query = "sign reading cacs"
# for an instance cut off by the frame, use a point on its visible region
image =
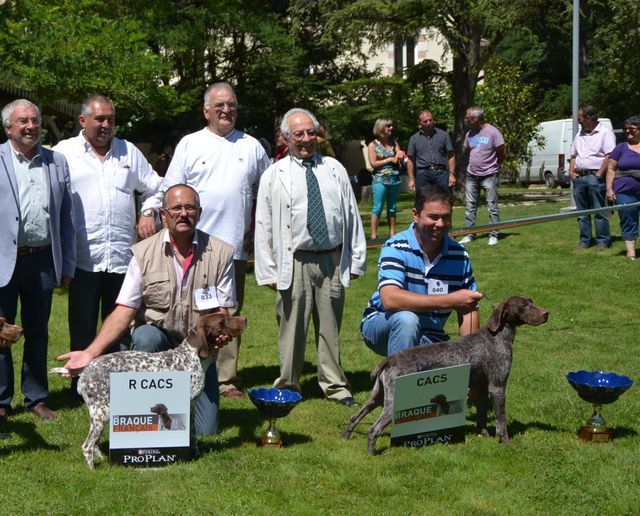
(149, 418)
(430, 407)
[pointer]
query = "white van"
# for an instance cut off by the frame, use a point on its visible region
(549, 162)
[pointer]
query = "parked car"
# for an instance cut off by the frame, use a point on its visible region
(549, 162)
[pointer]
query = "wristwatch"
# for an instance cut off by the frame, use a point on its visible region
(149, 212)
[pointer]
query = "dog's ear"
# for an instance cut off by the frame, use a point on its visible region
(235, 325)
(202, 346)
(497, 318)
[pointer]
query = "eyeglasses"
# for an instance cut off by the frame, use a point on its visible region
(630, 129)
(388, 125)
(177, 210)
(299, 135)
(231, 106)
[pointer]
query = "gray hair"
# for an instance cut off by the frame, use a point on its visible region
(223, 85)
(7, 111)
(284, 125)
(87, 104)
(590, 111)
(476, 111)
(179, 185)
(633, 120)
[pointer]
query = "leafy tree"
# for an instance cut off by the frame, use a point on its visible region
(510, 106)
(614, 80)
(67, 50)
(470, 28)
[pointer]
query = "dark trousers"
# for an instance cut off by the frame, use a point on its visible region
(32, 282)
(92, 294)
(432, 177)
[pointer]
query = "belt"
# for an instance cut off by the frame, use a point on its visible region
(25, 249)
(587, 172)
(321, 251)
(434, 167)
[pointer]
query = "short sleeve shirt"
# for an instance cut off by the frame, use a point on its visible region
(482, 145)
(403, 264)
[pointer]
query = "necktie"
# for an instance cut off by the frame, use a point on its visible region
(316, 221)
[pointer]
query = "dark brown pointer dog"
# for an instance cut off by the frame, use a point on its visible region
(488, 351)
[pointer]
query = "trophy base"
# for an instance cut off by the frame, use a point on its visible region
(267, 443)
(595, 435)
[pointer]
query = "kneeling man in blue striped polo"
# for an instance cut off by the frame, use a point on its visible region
(424, 275)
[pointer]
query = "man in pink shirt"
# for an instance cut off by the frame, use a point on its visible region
(589, 160)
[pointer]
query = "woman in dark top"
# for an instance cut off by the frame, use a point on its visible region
(623, 182)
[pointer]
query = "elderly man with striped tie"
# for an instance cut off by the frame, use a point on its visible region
(309, 244)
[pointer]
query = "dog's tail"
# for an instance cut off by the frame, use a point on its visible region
(379, 369)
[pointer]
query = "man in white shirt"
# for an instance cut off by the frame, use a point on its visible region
(105, 172)
(309, 245)
(589, 161)
(224, 166)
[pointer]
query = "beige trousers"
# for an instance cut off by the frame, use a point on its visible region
(315, 291)
(227, 362)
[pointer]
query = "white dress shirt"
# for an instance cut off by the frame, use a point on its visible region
(331, 202)
(277, 218)
(104, 200)
(225, 171)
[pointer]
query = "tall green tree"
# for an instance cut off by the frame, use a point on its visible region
(67, 49)
(509, 104)
(471, 30)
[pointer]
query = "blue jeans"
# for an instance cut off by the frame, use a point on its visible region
(588, 192)
(390, 332)
(207, 413)
(432, 177)
(472, 197)
(382, 192)
(628, 216)
(33, 281)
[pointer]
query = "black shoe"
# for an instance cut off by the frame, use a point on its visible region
(348, 402)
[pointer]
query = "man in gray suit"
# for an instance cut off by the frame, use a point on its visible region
(37, 235)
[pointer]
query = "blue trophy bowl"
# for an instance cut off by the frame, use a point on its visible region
(273, 403)
(598, 387)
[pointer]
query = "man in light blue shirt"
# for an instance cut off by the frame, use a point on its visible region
(38, 240)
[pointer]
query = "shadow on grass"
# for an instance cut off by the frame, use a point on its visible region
(31, 439)
(63, 399)
(250, 424)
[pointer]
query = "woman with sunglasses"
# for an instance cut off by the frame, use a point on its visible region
(386, 158)
(623, 182)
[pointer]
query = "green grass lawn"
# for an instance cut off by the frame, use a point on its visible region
(593, 302)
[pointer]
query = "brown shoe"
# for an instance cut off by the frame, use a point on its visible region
(44, 412)
(234, 393)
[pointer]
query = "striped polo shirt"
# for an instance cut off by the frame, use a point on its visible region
(403, 263)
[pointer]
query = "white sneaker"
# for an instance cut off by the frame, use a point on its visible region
(466, 239)
(493, 240)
